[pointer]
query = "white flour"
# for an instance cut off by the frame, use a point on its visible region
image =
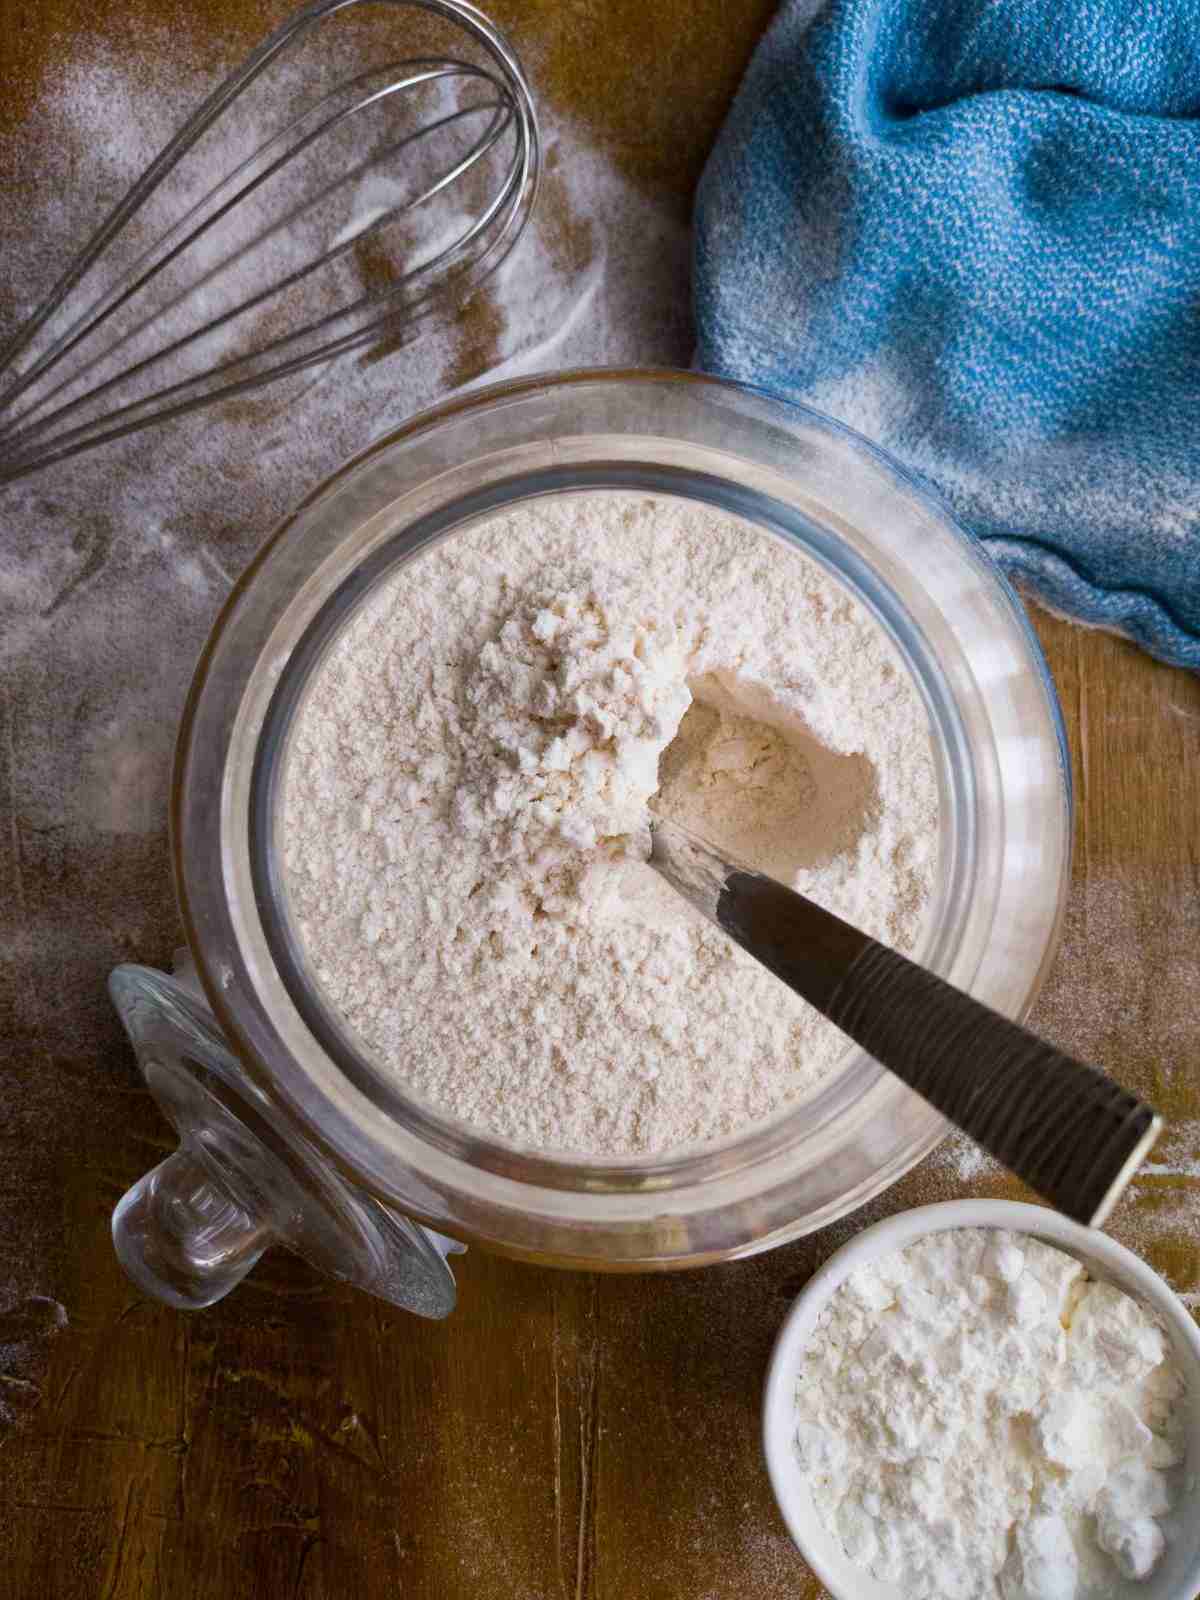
(465, 816)
(567, 714)
(979, 1420)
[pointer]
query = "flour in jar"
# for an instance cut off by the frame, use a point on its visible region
(465, 816)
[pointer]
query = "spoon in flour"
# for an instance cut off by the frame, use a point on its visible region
(1066, 1129)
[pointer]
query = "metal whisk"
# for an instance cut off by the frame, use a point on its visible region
(255, 279)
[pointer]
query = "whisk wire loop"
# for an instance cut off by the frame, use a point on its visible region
(92, 320)
(55, 391)
(175, 241)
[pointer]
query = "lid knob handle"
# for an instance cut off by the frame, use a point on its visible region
(182, 1237)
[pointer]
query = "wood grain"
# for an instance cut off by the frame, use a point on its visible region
(561, 1437)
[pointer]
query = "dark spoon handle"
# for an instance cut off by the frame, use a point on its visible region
(1065, 1128)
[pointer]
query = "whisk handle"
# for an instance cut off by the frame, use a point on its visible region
(1064, 1127)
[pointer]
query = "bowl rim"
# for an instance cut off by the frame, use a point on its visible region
(884, 1238)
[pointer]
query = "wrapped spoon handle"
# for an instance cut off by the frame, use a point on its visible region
(1064, 1127)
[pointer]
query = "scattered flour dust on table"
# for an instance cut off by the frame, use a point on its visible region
(465, 816)
(157, 526)
(978, 1420)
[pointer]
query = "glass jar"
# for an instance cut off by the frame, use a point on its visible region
(292, 1094)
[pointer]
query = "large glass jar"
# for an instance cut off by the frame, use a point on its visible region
(297, 1135)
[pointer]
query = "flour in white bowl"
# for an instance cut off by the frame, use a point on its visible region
(464, 819)
(979, 1420)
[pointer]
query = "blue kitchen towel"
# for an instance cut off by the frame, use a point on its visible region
(971, 230)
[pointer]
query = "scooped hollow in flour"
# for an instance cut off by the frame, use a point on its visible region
(466, 817)
(756, 783)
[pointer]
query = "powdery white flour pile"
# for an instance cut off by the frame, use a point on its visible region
(465, 816)
(979, 1420)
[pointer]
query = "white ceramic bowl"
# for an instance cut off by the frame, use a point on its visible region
(1177, 1576)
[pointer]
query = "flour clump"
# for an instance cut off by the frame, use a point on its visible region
(570, 708)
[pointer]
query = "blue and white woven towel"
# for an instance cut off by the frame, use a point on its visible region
(971, 229)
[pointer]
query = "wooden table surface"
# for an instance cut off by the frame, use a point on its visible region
(562, 1436)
